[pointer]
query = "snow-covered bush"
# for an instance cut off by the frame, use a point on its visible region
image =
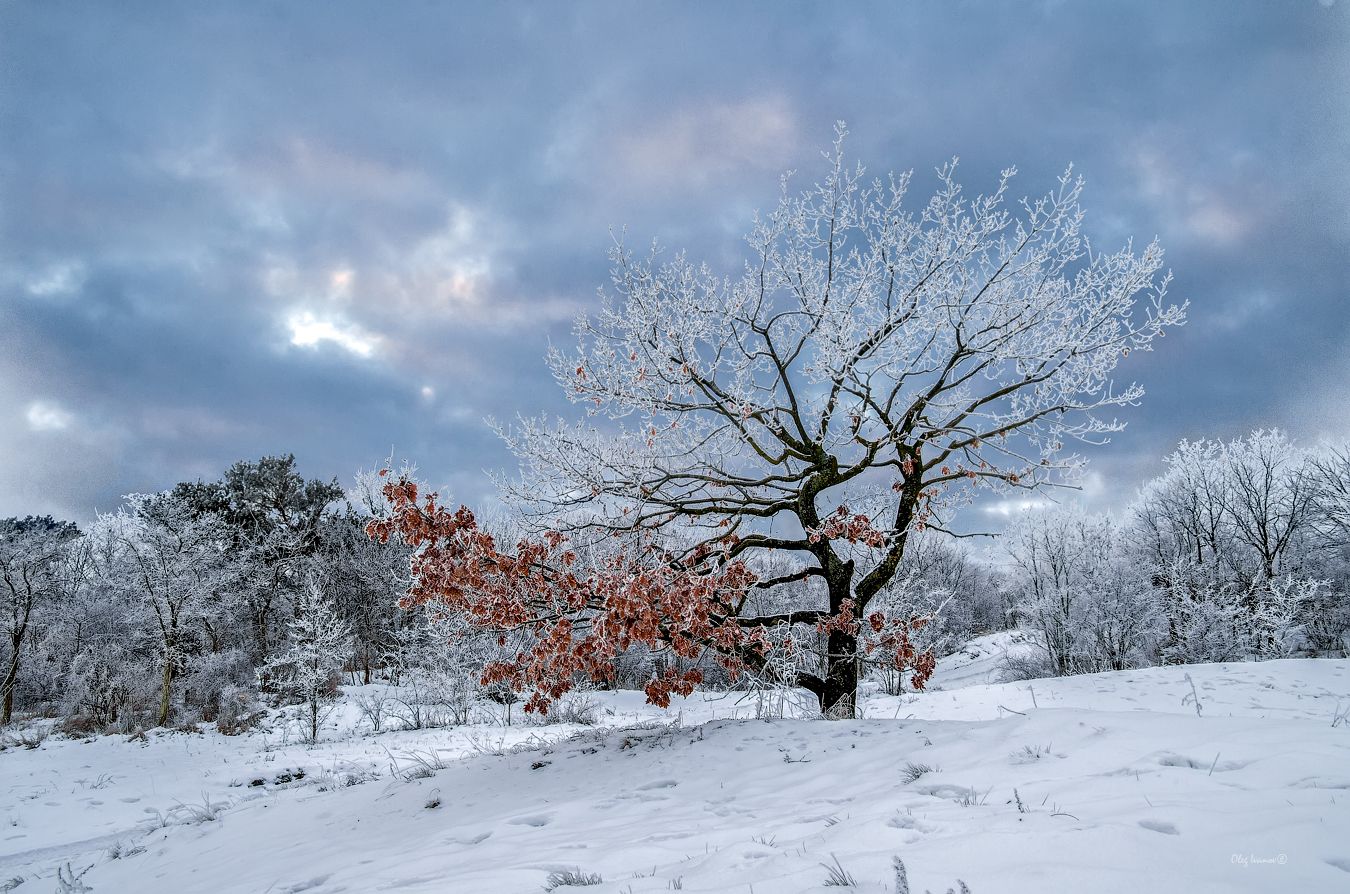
(310, 669)
(110, 689)
(438, 664)
(211, 680)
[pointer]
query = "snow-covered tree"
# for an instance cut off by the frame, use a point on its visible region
(273, 516)
(177, 568)
(364, 580)
(1331, 471)
(1249, 522)
(320, 644)
(1270, 497)
(1091, 607)
(32, 550)
(866, 352)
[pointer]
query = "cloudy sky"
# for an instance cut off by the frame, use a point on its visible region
(337, 229)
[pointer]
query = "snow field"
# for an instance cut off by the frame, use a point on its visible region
(1108, 782)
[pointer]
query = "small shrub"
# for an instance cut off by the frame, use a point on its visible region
(416, 765)
(1028, 754)
(238, 712)
(374, 708)
(1026, 666)
(902, 879)
(68, 881)
(118, 849)
(80, 726)
(913, 772)
(578, 709)
(572, 878)
(194, 814)
(29, 739)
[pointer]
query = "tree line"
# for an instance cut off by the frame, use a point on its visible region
(164, 610)
(207, 600)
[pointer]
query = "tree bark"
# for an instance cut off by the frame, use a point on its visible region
(12, 672)
(165, 691)
(838, 700)
(838, 697)
(11, 679)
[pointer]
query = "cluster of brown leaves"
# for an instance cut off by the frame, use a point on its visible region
(579, 619)
(891, 638)
(855, 528)
(888, 637)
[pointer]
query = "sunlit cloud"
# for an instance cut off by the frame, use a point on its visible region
(1009, 508)
(43, 415)
(451, 267)
(309, 331)
(59, 279)
(341, 280)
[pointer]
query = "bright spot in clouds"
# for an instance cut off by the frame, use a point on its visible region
(61, 279)
(308, 331)
(45, 415)
(428, 392)
(1009, 508)
(341, 280)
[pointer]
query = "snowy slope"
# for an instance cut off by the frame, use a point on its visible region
(1123, 788)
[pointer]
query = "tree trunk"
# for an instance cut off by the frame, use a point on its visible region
(839, 695)
(165, 691)
(261, 632)
(11, 676)
(11, 679)
(838, 700)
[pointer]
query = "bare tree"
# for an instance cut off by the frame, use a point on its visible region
(176, 560)
(1270, 496)
(1183, 515)
(866, 351)
(31, 553)
(1330, 468)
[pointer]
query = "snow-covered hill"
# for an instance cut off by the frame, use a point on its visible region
(1108, 782)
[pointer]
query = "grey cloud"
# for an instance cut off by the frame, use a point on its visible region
(178, 182)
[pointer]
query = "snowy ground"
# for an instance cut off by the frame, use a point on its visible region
(1122, 788)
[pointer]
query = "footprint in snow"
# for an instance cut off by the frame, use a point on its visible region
(947, 791)
(1217, 766)
(660, 783)
(536, 820)
(1160, 826)
(909, 822)
(471, 839)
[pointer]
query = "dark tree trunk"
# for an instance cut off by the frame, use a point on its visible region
(838, 696)
(165, 692)
(838, 700)
(11, 679)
